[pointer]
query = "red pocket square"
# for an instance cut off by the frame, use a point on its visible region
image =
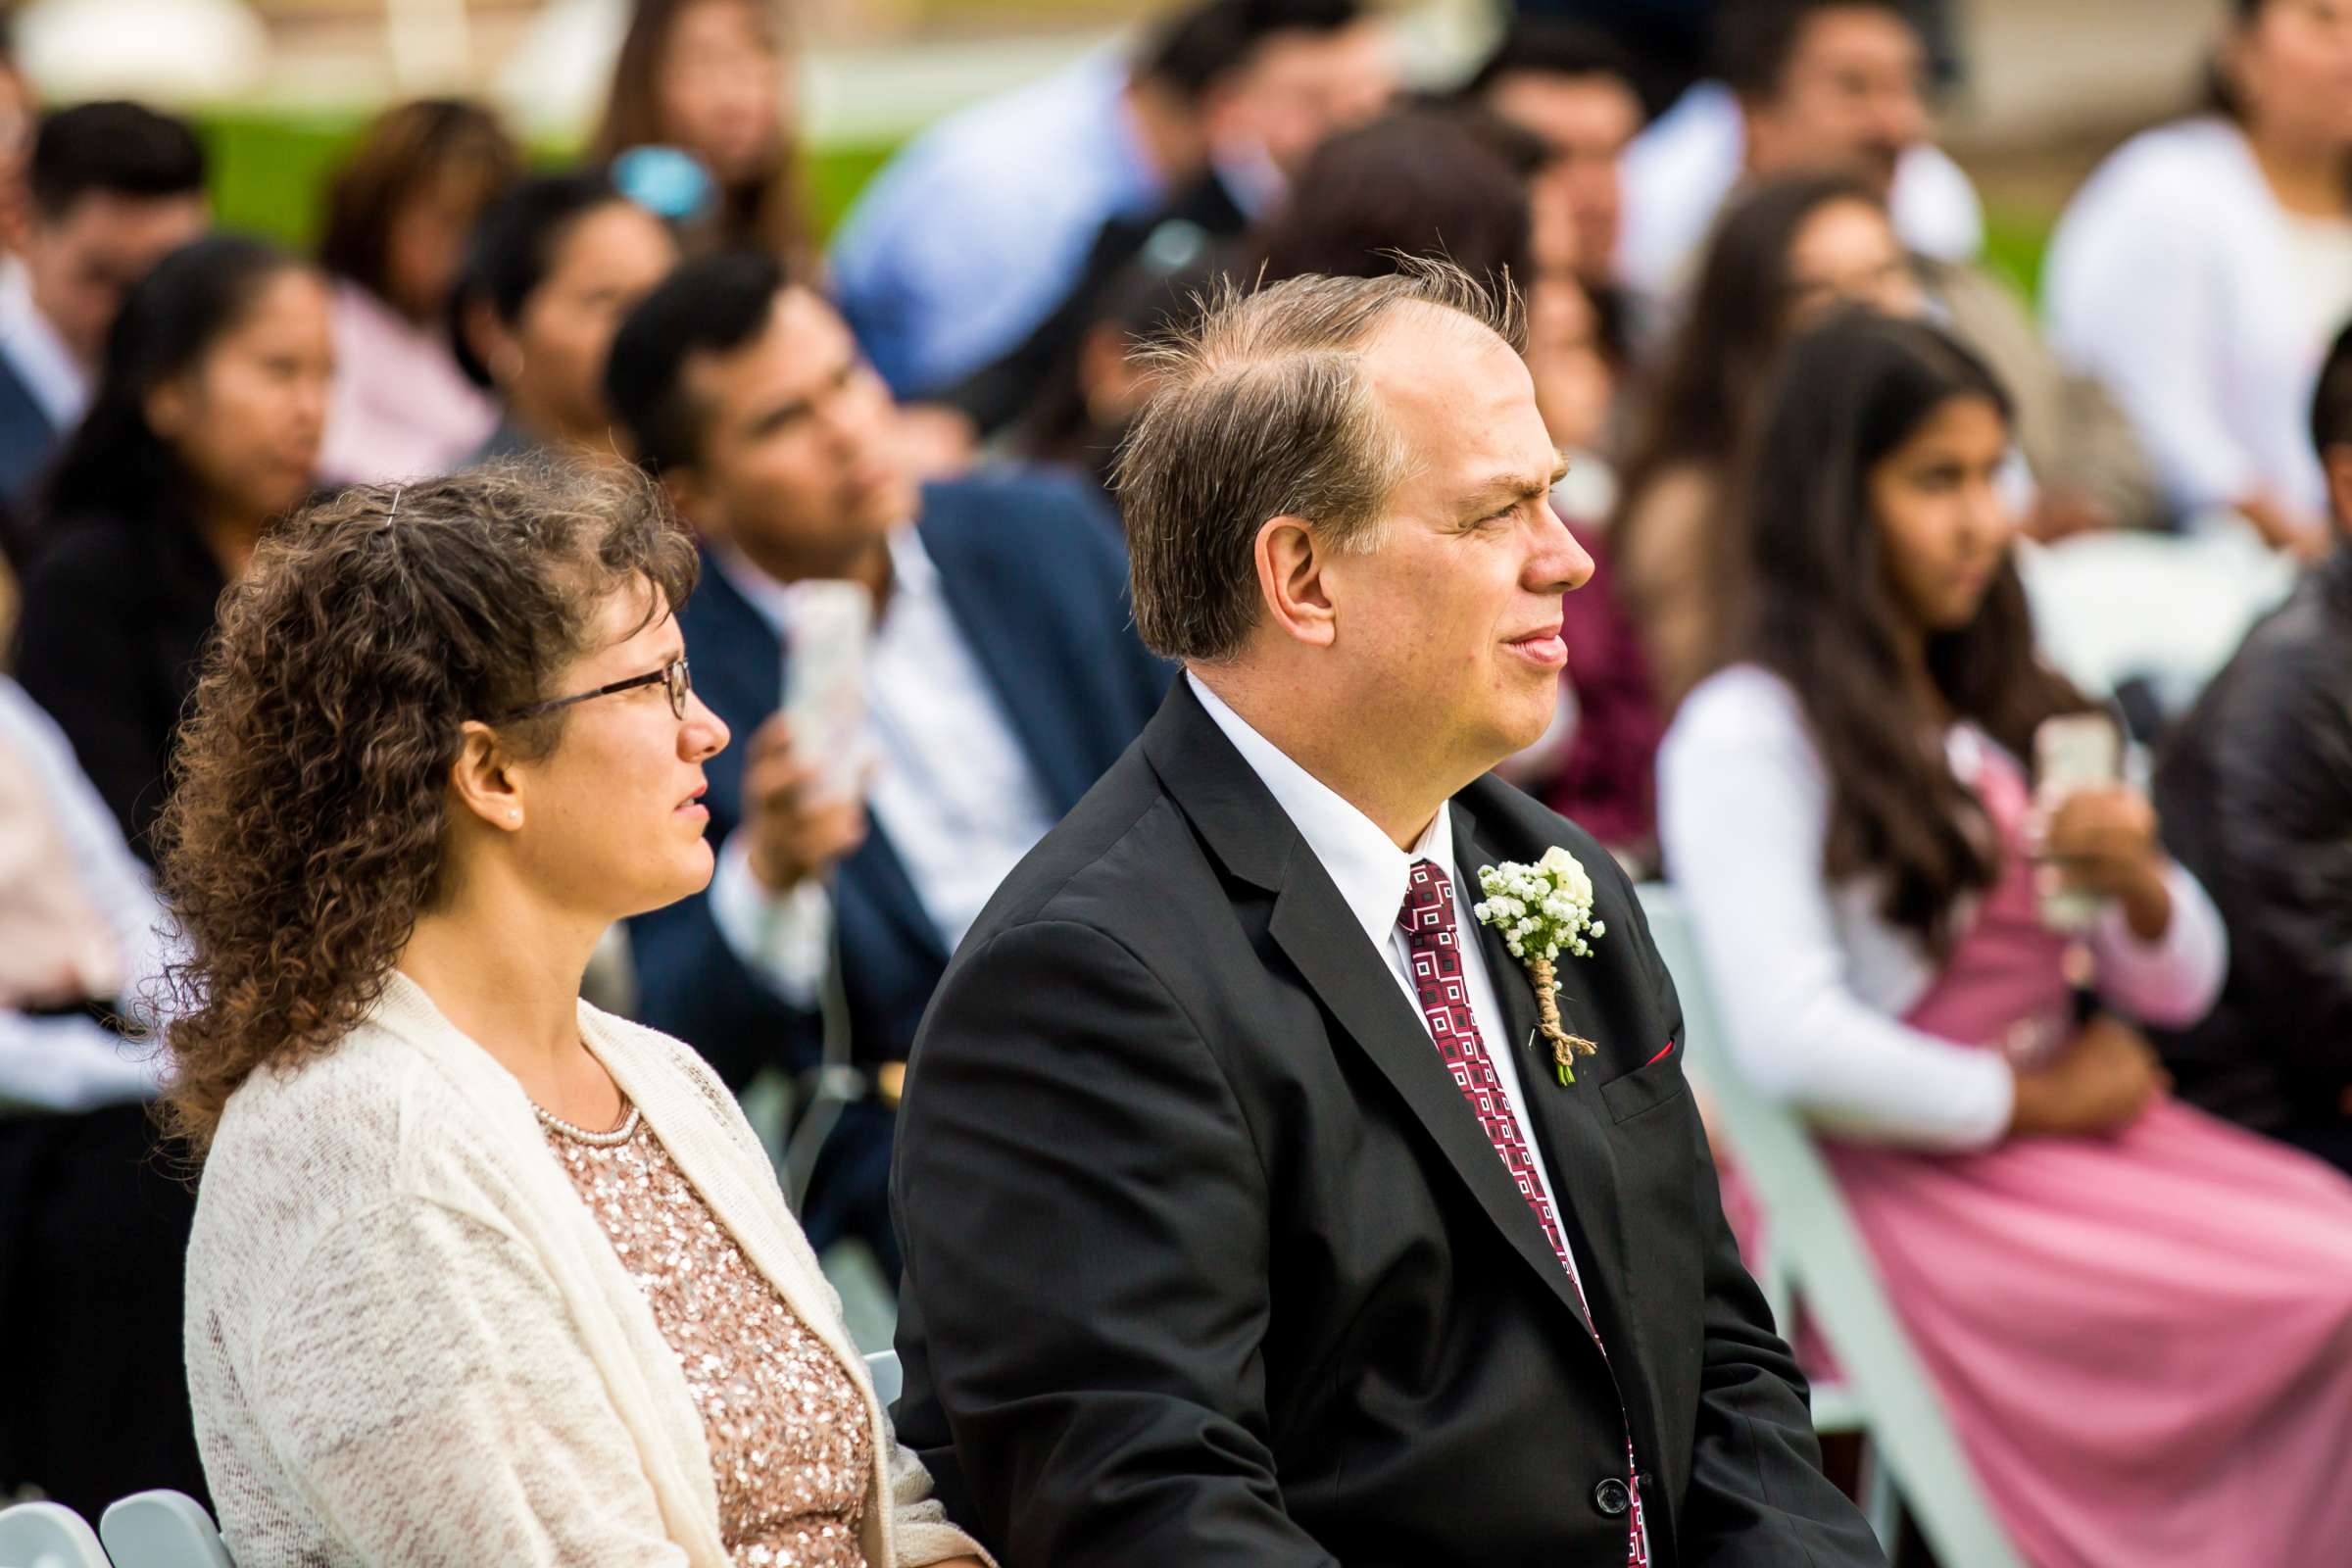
(1662, 1055)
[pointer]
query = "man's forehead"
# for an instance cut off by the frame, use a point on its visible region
(1458, 393)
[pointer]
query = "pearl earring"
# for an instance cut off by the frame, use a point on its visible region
(513, 816)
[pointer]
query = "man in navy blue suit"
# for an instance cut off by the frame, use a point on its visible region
(1003, 678)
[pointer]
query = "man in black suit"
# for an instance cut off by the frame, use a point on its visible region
(1250, 1214)
(115, 187)
(1001, 678)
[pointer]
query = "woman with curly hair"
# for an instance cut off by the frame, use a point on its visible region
(480, 1273)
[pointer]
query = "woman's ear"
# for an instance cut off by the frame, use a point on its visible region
(483, 778)
(1293, 566)
(169, 407)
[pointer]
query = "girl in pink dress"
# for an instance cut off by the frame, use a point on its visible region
(2139, 1318)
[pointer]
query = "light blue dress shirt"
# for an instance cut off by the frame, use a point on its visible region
(978, 229)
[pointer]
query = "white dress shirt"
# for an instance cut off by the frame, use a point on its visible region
(951, 786)
(1372, 876)
(39, 356)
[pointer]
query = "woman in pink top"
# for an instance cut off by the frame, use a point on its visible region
(398, 216)
(2139, 1317)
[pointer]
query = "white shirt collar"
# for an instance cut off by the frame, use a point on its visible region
(912, 572)
(1370, 872)
(47, 368)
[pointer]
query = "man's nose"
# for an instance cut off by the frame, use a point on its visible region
(1559, 565)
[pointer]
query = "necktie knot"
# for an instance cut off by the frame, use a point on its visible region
(1428, 908)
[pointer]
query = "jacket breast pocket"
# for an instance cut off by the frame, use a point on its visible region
(1647, 1087)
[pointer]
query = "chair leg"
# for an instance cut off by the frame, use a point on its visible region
(1882, 1503)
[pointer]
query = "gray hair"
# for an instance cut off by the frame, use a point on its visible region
(1262, 411)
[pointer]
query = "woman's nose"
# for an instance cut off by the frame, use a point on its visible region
(704, 734)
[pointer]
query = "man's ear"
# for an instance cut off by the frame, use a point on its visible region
(1293, 566)
(2337, 460)
(690, 498)
(483, 778)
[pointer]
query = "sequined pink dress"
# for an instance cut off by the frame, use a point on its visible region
(789, 1447)
(2145, 1343)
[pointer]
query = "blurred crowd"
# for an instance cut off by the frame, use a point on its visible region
(1753, 294)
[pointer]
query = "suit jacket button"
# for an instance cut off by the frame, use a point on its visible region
(1611, 1497)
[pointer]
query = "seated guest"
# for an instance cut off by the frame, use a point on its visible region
(205, 429)
(481, 1273)
(115, 187)
(1574, 89)
(717, 80)
(2111, 1291)
(977, 231)
(1804, 84)
(2203, 269)
(1786, 251)
(554, 267)
(1001, 679)
(1249, 1217)
(398, 214)
(2255, 790)
(1087, 403)
(93, 1226)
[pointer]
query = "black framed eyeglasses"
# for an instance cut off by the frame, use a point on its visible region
(675, 675)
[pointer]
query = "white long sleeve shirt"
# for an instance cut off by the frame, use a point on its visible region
(2175, 277)
(1812, 982)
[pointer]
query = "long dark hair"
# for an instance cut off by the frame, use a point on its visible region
(1826, 618)
(115, 465)
(1738, 315)
(767, 213)
(406, 149)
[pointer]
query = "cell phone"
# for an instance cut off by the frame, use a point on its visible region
(2073, 752)
(824, 680)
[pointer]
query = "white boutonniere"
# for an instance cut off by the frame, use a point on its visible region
(1542, 910)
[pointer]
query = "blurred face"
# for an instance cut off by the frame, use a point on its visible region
(612, 817)
(721, 89)
(2337, 460)
(1846, 254)
(1564, 359)
(247, 417)
(1586, 121)
(1942, 526)
(82, 263)
(551, 364)
(1852, 98)
(802, 460)
(425, 244)
(1447, 627)
(1300, 88)
(17, 111)
(2293, 66)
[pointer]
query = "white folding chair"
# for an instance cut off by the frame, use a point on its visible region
(889, 1377)
(1883, 1392)
(47, 1535)
(162, 1528)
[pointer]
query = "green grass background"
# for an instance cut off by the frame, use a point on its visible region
(270, 172)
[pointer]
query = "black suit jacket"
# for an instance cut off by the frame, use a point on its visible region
(115, 613)
(1209, 1262)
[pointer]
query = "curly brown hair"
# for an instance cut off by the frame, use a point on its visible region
(303, 835)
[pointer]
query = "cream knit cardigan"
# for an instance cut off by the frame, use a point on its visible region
(408, 1341)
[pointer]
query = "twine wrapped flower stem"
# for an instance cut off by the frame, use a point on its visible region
(1542, 910)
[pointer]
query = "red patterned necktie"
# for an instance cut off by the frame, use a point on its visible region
(1432, 940)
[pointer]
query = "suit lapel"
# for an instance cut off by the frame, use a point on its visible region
(1010, 631)
(1569, 1121)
